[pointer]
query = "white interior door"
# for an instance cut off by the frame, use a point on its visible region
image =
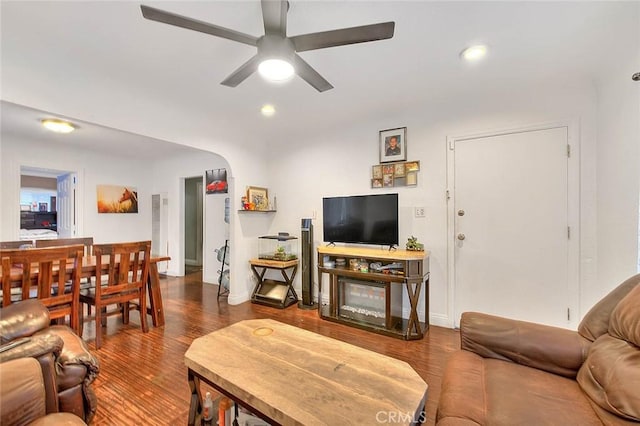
(66, 205)
(511, 226)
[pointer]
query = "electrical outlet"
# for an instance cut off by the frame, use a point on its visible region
(419, 211)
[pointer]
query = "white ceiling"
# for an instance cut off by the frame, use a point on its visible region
(101, 62)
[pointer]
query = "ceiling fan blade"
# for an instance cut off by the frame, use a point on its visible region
(241, 74)
(310, 75)
(343, 36)
(274, 14)
(158, 15)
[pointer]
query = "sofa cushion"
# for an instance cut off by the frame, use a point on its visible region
(625, 318)
(496, 392)
(611, 373)
(596, 322)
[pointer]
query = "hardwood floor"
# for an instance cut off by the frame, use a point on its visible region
(143, 379)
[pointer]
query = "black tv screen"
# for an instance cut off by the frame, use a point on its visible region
(363, 219)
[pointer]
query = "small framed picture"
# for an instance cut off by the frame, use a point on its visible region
(388, 169)
(376, 172)
(411, 179)
(376, 183)
(398, 170)
(387, 180)
(412, 166)
(393, 145)
(42, 207)
(259, 197)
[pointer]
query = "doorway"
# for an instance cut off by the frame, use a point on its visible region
(48, 203)
(193, 224)
(513, 228)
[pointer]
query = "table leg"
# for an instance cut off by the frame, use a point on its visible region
(195, 407)
(414, 321)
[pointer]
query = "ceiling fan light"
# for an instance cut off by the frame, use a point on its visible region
(276, 69)
(474, 53)
(58, 126)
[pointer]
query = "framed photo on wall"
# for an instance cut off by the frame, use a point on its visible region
(393, 145)
(398, 170)
(376, 172)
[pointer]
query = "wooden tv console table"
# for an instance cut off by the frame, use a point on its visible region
(372, 300)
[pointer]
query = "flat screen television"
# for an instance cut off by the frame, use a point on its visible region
(361, 219)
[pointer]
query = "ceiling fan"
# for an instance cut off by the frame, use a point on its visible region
(277, 53)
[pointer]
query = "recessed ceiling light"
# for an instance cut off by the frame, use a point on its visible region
(268, 110)
(58, 126)
(276, 69)
(474, 53)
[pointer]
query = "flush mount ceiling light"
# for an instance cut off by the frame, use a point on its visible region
(474, 53)
(58, 126)
(268, 110)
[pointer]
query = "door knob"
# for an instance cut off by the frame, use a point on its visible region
(461, 237)
(460, 212)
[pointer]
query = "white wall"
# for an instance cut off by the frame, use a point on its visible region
(93, 169)
(618, 178)
(339, 162)
(169, 176)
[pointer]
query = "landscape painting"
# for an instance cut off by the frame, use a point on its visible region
(117, 199)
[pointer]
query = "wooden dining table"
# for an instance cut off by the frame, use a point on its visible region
(155, 307)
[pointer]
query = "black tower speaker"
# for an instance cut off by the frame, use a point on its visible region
(307, 265)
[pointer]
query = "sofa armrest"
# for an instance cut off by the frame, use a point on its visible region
(556, 350)
(75, 351)
(35, 347)
(22, 319)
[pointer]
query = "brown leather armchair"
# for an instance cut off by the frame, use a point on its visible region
(68, 367)
(23, 396)
(514, 372)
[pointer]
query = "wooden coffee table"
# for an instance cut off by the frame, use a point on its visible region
(291, 376)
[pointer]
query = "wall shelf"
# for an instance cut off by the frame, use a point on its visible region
(256, 211)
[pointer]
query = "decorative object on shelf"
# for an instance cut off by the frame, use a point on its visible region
(259, 197)
(42, 207)
(117, 199)
(414, 245)
(216, 181)
(393, 145)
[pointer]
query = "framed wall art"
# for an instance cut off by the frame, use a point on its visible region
(393, 145)
(259, 197)
(216, 181)
(117, 199)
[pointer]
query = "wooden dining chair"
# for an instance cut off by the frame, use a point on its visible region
(51, 275)
(122, 270)
(15, 244)
(86, 241)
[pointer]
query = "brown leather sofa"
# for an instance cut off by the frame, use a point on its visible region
(68, 367)
(520, 373)
(23, 396)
